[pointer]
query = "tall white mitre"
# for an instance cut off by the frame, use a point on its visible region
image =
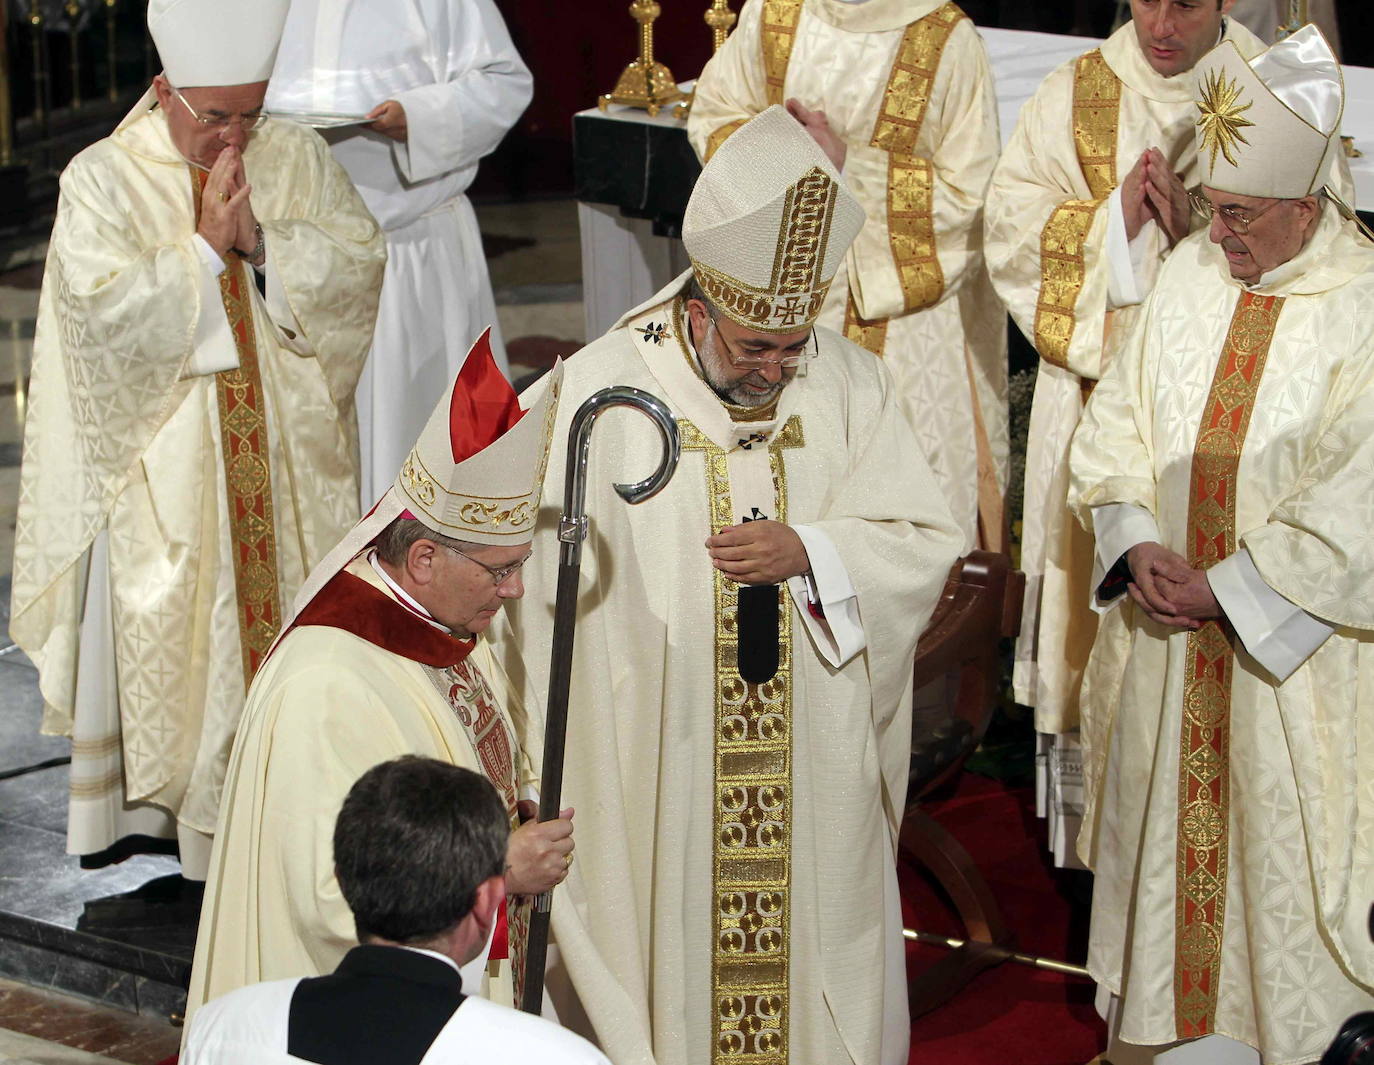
(1270, 127)
(768, 224)
(216, 42)
(476, 472)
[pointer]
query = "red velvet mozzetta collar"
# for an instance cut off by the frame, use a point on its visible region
(350, 603)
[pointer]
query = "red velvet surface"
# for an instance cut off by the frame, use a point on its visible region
(1011, 1013)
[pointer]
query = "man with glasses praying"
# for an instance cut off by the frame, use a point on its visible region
(208, 300)
(740, 729)
(1224, 465)
(383, 657)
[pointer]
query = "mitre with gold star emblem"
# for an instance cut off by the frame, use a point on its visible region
(1270, 126)
(768, 225)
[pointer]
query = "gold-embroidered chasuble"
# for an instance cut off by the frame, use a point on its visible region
(1204, 785)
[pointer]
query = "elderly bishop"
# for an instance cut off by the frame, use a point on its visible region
(1224, 464)
(741, 686)
(209, 297)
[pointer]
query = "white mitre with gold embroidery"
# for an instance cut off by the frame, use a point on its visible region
(475, 474)
(216, 42)
(1270, 127)
(768, 224)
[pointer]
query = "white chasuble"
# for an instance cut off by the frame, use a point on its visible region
(1050, 220)
(328, 705)
(734, 895)
(1230, 816)
(208, 495)
(452, 66)
(907, 86)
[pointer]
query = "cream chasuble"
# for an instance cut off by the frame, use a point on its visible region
(734, 895)
(1230, 817)
(329, 705)
(195, 501)
(1047, 225)
(906, 84)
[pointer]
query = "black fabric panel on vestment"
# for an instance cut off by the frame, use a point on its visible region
(757, 619)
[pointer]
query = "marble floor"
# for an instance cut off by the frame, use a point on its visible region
(117, 941)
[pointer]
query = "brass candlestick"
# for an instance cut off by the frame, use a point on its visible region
(1297, 19)
(720, 18)
(644, 83)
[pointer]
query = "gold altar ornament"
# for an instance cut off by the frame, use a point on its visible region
(644, 83)
(720, 18)
(1297, 19)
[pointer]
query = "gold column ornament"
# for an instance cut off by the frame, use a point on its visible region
(720, 18)
(111, 51)
(644, 83)
(73, 10)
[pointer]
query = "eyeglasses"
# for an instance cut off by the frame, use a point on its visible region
(749, 361)
(499, 574)
(219, 123)
(1231, 218)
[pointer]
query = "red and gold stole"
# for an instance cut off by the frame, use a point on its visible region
(1204, 779)
(247, 473)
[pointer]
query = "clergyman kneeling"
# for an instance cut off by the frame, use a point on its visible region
(419, 853)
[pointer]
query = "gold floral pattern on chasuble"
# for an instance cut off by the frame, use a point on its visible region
(777, 32)
(1096, 117)
(247, 471)
(795, 290)
(470, 698)
(752, 850)
(870, 334)
(1204, 784)
(910, 178)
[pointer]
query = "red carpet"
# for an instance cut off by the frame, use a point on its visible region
(1012, 1013)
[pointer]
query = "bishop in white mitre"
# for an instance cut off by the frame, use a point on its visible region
(442, 83)
(740, 732)
(900, 95)
(1224, 463)
(190, 453)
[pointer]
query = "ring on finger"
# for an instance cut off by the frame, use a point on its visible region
(224, 197)
(567, 860)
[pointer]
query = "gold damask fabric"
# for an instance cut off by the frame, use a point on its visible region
(778, 30)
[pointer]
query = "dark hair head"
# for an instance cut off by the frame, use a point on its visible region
(414, 839)
(393, 542)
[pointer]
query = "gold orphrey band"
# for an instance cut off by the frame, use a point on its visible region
(247, 472)
(1204, 777)
(752, 850)
(1096, 114)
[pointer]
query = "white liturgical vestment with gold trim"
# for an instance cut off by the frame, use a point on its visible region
(1230, 813)
(735, 884)
(919, 152)
(125, 587)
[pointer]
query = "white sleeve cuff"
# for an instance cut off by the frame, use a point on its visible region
(840, 635)
(1117, 527)
(1123, 269)
(1279, 635)
(212, 346)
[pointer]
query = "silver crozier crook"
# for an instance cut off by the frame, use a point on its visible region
(572, 530)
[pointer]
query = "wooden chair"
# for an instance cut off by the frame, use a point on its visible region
(980, 605)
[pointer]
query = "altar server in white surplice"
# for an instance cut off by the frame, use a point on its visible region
(443, 84)
(384, 657)
(740, 732)
(900, 96)
(1075, 239)
(1225, 462)
(190, 453)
